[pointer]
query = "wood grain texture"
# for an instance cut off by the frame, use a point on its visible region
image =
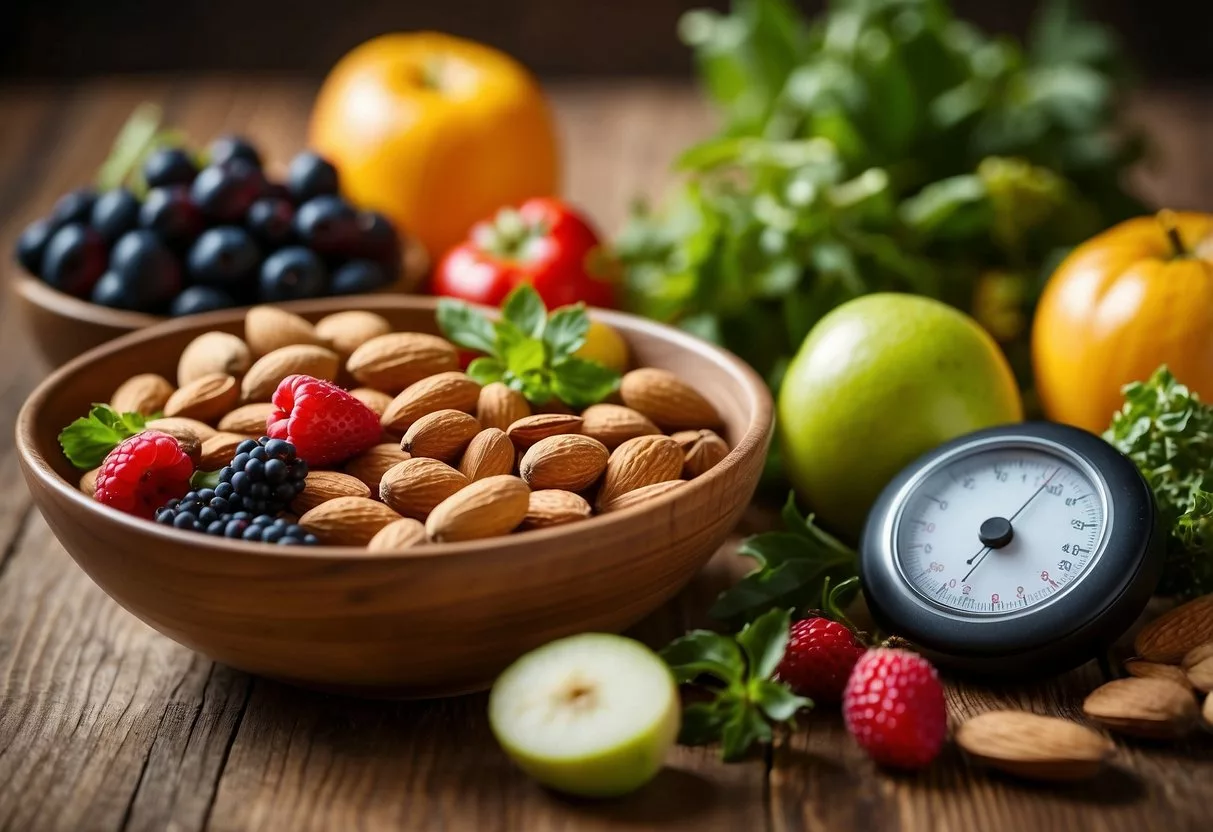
(105, 725)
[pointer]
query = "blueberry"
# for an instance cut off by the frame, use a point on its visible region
(230, 148)
(225, 256)
(31, 245)
(74, 259)
(169, 166)
(278, 190)
(327, 225)
(115, 213)
(197, 299)
(74, 206)
(310, 175)
(172, 214)
(149, 274)
(292, 273)
(270, 220)
(377, 240)
(357, 277)
(225, 192)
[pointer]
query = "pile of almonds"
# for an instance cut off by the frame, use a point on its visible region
(458, 461)
(1157, 701)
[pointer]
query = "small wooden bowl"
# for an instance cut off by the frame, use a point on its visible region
(435, 620)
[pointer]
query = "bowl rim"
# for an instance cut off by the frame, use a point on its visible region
(753, 440)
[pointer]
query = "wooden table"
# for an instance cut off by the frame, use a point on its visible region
(106, 725)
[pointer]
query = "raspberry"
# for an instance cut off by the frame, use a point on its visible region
(142, 472)
(325, 423)
(819, 658)
(894, 708)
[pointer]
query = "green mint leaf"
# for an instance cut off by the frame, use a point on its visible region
(580, 383)
(486, 370)
(566, 330)
(205, 479)
(702, 722)
(524, 308)
(523, 355)
(87, 441)
(702, 652)
(793, 519)
(776, 699)
(532, 384)
(463, 325)
(744, 727)
(764, 640)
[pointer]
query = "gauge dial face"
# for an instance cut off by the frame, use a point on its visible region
(1000, 530)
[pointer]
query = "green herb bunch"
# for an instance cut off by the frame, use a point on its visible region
(885, 146)
(1168, 433)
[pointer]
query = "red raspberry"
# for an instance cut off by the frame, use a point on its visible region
(819, 658)
(142, 473)
(893, 706)
(325, 423)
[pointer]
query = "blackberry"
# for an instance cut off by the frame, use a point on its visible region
(192, 513)
(264, 476)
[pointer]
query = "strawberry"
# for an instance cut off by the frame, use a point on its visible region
(819, 658)
(325, 423)
(143, 472)
(894, 708)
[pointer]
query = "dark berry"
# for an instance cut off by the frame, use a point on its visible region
(169, 166)
(378, 241)
(311, 175)
(327, 225)
(149, 274)
(31, 245)
(74, 259)
(172, 214)
(224, 192)
(357, 277)
(278, 190)
(230, 148)
(225, 256)
(292, 273)
(197, 299)
(250, 487)
(74, 206)
(115, 213)
(270, 220)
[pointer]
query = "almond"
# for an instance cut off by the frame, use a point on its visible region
(442, 434)
(1152, 708)
(145, 394)
(376, 400)
(569, 462)
(500, 406)
(249, 419)
(370, 465)
(639, 495)
(394, 361)
(322, 486)
(1197, 655)
(666, 399)
(213, 352)
(702, 451)
(1200, 675)
(297, 359)
(218, 450)
(489, 454)
(530, 429)
(1143, 669)
(1169, 637)
(552, 507)
(88, 482)
(399, 534)
(1035, 747)
(638, 462)
(183, 428)
(487, 508)
(443, 391)
(347, 331)
(415, 486)
(347, 521)
(205, 399)
(614, 424)
(268, 328)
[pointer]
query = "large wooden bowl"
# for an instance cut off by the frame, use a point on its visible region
(434, 620)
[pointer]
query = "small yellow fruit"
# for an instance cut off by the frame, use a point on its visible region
(606, 346)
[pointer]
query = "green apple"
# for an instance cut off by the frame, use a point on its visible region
(591, 715)
(879, 381)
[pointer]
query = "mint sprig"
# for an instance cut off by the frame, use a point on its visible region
(87, 441)
(529, 350)
(738, 672)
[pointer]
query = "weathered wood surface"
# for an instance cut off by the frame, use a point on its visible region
(106, 725)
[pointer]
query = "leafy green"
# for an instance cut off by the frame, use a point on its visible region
(139, 137)
(1168, 433)
(88, 440)
(737, 672)
(529, 350)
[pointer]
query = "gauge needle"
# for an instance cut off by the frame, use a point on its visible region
(981, 555)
